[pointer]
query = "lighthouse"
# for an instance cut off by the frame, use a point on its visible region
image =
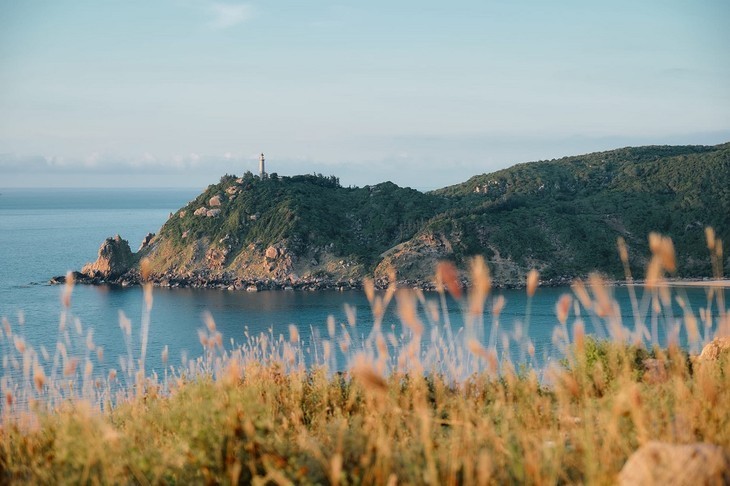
(262, 167)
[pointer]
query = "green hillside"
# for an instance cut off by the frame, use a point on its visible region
(308, 215)
(565, 215)
(560, 216)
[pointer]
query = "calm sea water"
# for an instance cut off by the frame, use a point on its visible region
(46, 232)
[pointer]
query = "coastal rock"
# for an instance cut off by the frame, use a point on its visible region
(146, 241)
(658, 463)
(715, 348)
(115, 258)
(271, 253)
(201, 211)
(417, 257)
(215, 257)
(214, 201)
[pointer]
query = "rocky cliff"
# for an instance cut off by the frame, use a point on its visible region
(115, 258)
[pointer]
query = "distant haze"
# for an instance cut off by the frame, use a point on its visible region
(425, 94)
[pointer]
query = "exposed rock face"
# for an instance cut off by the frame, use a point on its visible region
(715, 348)
(417, 258)
(212, 213)
(271, 253)
(215, 257)
(214, 201)
(115, 258)
(200, 211)
(146, 241)
(658, 463)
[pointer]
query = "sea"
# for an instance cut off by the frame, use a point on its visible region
(47, 232)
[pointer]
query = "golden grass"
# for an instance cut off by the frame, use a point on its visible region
(455, 412)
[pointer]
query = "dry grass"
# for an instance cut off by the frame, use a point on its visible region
(455, 412)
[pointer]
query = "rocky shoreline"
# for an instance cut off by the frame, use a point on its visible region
(233, 283)
(116, 265)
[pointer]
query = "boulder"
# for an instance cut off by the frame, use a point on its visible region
(215, 257)
(214, 201)
(272, 253)
(115, 258)
(659, 463)
(715, 348)
(201, 211)
(182, 214)
(212, 213)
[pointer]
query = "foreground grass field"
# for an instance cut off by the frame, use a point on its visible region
(457, 414)
(257, 424)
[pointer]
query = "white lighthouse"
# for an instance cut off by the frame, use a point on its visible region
(262, 167)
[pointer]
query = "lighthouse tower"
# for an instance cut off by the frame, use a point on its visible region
(262, 167)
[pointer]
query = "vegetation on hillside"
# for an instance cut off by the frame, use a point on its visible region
(309, 211)
(564, 216)
(560, 216)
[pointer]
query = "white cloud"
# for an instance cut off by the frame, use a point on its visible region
(226, 15)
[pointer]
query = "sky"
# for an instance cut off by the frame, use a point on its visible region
(175, 93)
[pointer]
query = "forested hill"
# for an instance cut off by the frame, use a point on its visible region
(565, 215)
(560, 216)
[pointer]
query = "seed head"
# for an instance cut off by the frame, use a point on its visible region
(369, 288)
(68, 289)
(446, 274)
(39, 378)
(710, 236)
(532, 281)
(498, 305)
(623, 251)
(562, 308)
(145, 269)
(364, 372)
(293, 334)
(70, 367)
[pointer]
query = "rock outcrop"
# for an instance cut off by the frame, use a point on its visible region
(715, 348)
(271, 253)
(146, 241)
(114, 259)
(417, 257)
(658, 463)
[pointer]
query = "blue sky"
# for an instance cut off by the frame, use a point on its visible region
(178, 92)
